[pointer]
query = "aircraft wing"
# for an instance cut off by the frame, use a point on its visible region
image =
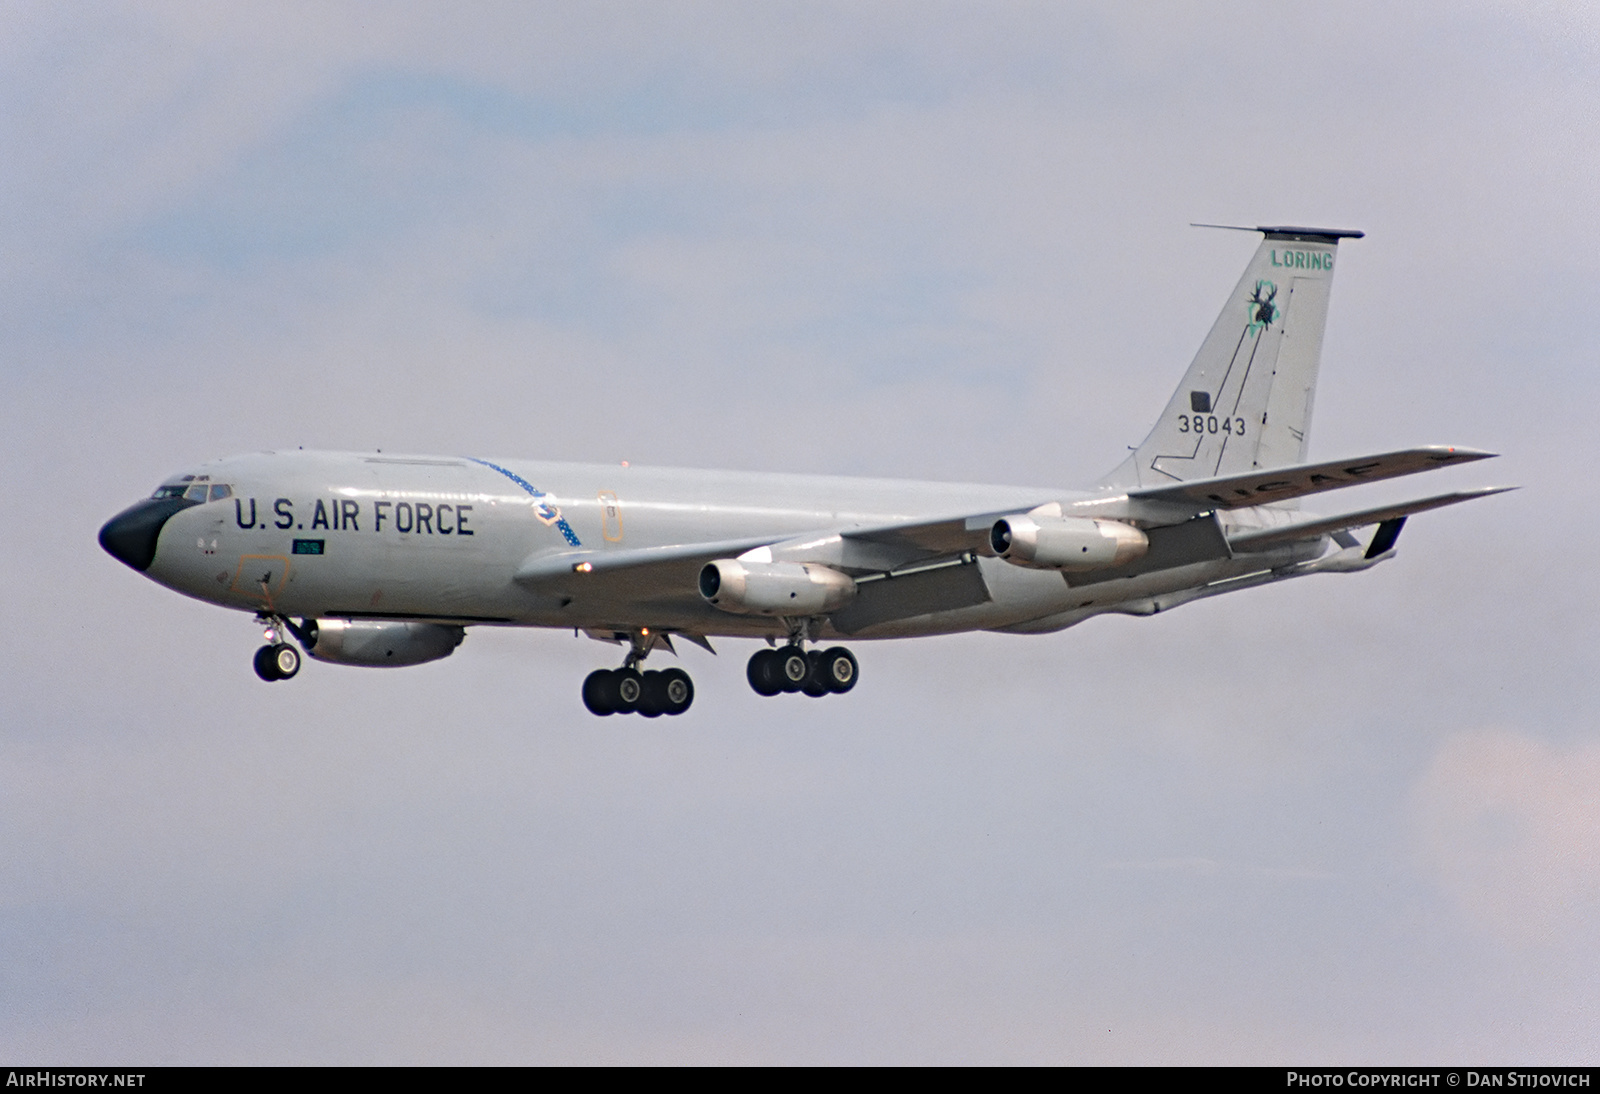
(1282, 483)
(1266, 538)
(664, 573)
(647, 571)
(941, 536)
(643, 570)
(890, 546)
(929, 560)
(894, 546)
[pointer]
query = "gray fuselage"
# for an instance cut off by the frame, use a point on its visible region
(348, 535)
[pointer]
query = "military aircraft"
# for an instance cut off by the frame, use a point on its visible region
(387, 559)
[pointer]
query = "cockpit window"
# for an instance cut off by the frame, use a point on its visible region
(193, 489)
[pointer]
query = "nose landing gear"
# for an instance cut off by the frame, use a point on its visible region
(278, 660)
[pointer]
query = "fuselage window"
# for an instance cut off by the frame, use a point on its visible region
(220, 491)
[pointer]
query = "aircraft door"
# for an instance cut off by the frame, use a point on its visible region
(261, 578)
(610, 516)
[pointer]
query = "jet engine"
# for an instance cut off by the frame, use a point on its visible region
(379, 642)
(774, 588)
(1066, 543)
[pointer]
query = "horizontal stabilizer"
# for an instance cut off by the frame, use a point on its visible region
(1263, 487)
(1267, 538)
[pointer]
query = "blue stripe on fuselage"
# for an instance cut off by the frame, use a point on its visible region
(538, 495)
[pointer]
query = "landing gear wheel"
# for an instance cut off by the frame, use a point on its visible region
(277, 662)
(816, 684)
(286, 660)
(762, 672)
(600, 692)
(630, 689)
(652, 695)
(677, 689)
(838, 669)
(793, 668)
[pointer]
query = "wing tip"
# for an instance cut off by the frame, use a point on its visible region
(1458, 453)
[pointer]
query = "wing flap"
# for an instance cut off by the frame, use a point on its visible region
(937, 589)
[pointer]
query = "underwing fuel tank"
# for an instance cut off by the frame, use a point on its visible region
(380, 642)
(774, 588)
(1066, 543)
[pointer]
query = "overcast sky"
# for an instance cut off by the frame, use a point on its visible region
(1345, 819)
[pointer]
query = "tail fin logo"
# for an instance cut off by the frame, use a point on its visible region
(1263, 300)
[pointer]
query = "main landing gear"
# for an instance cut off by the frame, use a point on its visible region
(629, 691)
(277, 660)
(817, 673)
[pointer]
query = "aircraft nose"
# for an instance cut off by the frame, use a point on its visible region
(130, 536)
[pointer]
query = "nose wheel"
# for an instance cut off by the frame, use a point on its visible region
(790, 669)
(279, 661)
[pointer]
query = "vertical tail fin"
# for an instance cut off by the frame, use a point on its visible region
(1245, 402)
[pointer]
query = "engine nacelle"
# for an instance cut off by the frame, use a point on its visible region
(1066, 543)
(774, 588)
(380, 642)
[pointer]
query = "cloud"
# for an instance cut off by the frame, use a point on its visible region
(1510, 828)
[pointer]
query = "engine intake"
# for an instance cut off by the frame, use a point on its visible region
(774, 588)
(1066, 543)
(380, 642)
